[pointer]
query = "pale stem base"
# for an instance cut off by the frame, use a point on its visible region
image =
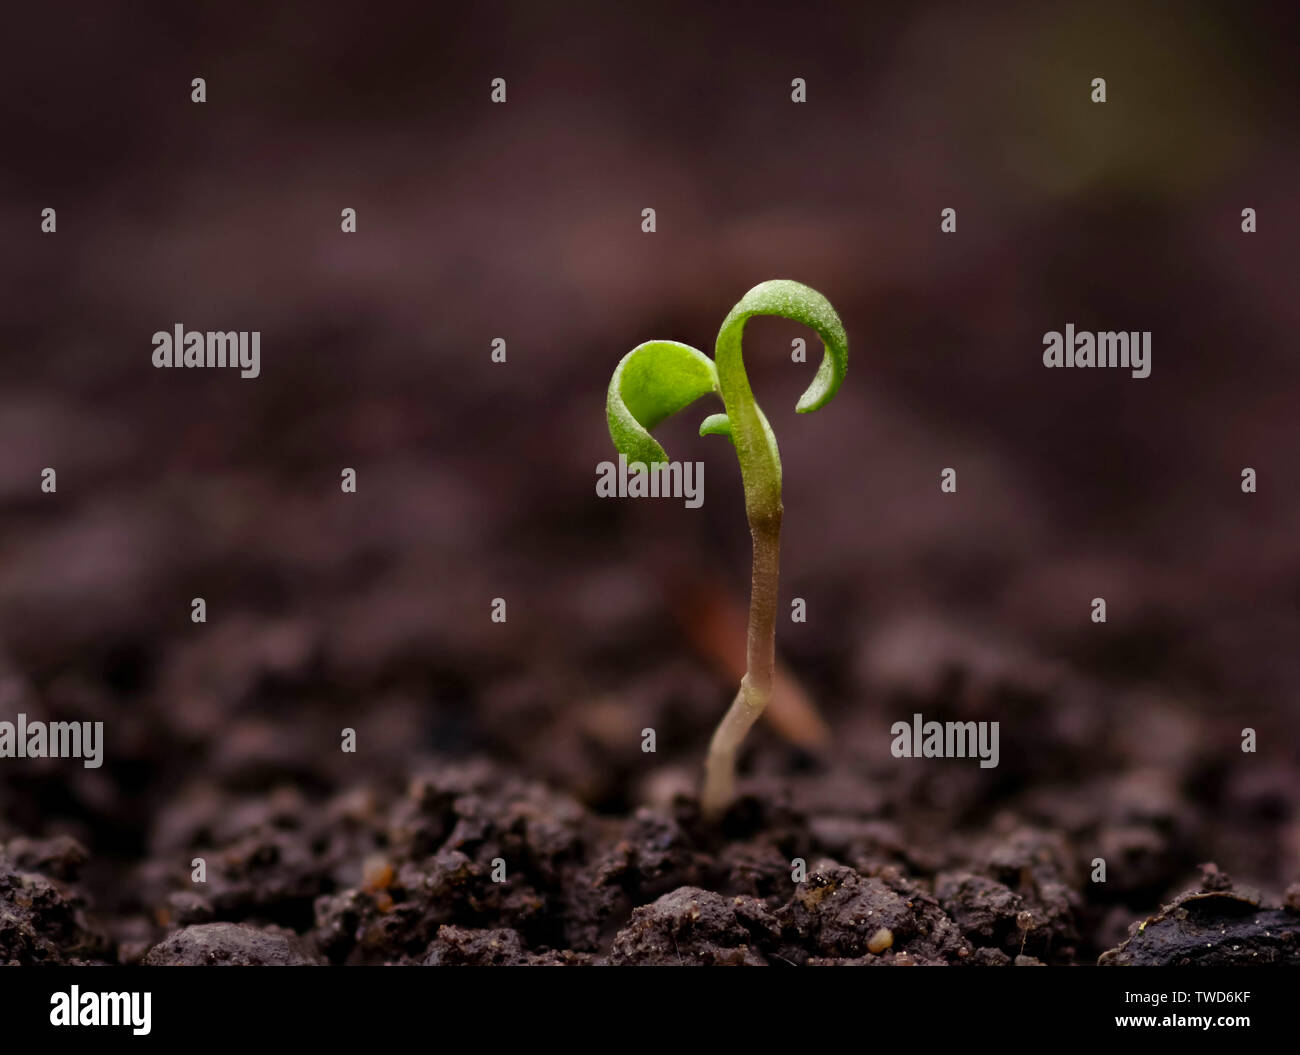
(756, 685)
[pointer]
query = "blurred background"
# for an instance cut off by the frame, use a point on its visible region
(476, 480)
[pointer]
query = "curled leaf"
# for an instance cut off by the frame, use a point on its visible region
(653, 381)
(800, 303)
(760, 459)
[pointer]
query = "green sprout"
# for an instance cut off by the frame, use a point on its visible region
(659, 378)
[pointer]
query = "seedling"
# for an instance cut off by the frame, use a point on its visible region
(659, 378)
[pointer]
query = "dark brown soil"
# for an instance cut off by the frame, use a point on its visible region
(517, 746)
(467, 863)
(500, 808)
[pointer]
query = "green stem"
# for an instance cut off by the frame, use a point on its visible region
(756, 685)
(760, 470)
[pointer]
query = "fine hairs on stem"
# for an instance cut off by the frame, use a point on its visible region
(660, 378)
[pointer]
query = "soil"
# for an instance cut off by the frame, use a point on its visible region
(514, 750)
(469, 861)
